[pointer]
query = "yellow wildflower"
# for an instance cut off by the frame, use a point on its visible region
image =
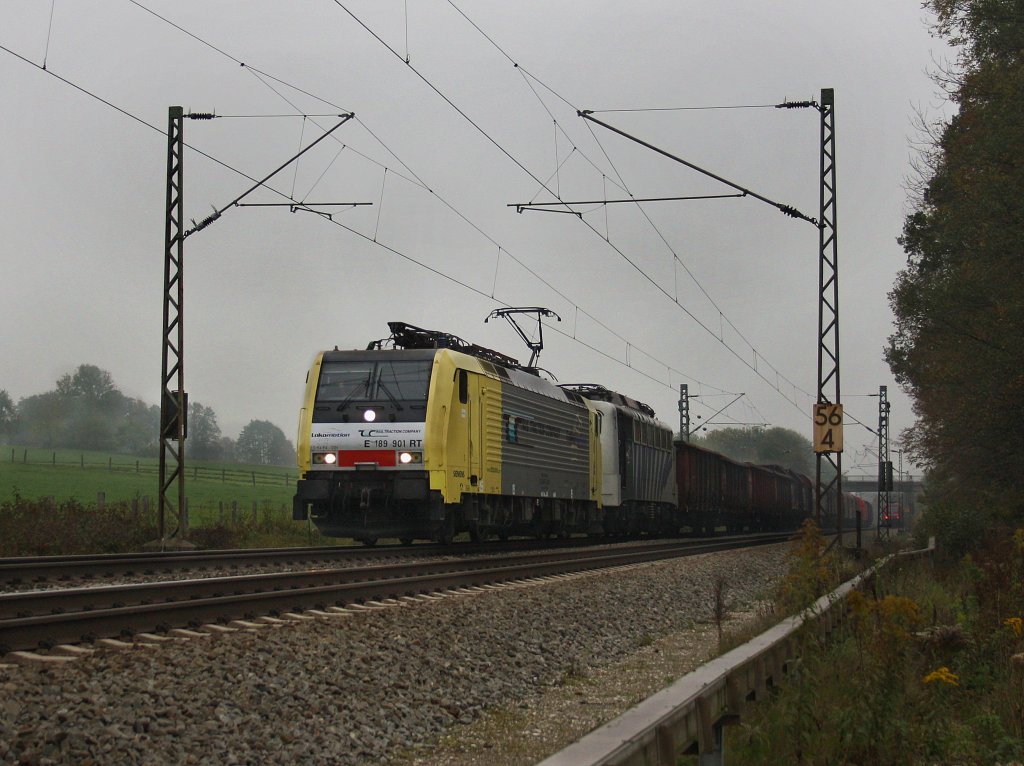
(943, 674)
(898, 616)
(1016, 624)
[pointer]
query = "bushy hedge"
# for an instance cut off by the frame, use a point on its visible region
(45, 527)
(49, 528)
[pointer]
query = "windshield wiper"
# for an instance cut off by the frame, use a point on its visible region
(348, 399)
(382, 386)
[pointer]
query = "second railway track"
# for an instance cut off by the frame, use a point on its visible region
(29, 570)
(44, 618)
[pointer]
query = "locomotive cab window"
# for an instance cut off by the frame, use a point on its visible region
(395, 389)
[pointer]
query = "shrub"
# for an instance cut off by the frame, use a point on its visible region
(44, 527)
(929, 670)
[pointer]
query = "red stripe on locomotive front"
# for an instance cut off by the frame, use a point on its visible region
(347, 458)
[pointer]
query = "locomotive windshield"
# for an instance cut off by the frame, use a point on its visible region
(392, 383)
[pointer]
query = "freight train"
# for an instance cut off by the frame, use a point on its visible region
(425, 436)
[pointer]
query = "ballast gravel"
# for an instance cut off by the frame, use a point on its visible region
(379, 685)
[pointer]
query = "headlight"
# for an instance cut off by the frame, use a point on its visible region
(369, 416)
(405, 458)
(330, 458)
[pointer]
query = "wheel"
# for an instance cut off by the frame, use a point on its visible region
(405, 540)
(446, 531)
(369, 542)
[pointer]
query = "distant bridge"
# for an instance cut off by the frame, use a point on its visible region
(911, 490)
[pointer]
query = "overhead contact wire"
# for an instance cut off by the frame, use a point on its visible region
(526, 73)
(439, 93)
(262, 74)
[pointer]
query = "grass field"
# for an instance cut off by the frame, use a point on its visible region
(215, 491)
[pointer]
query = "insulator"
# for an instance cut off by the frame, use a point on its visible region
(797, 105)
(201, 116)
(206, 221)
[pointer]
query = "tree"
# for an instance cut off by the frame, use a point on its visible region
(8, 416)
(772, 446)
(203, 432)
(138, 430)
(958, 303)
(42, 421)
(93, 407)
(90, 384)
(86, 411)
(263, 443)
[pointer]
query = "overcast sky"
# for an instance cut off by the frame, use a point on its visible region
(448, 133)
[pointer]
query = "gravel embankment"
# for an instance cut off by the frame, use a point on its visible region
(381, 684)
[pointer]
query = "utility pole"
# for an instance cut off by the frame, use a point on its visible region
(828, 411)
(684, 412)
(173, 400)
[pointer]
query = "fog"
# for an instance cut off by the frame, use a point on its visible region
(462, 111)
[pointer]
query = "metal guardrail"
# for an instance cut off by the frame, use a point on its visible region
(692, 712)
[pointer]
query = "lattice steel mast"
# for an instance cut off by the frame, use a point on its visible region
(173, 400)
(828, 312)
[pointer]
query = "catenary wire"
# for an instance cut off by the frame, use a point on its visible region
(300, 205)
(525, 73)
(261, 74)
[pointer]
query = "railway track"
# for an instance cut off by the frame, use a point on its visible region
(26, 570)
(44, 618)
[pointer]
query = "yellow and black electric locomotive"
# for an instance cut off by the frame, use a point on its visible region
(424, 435)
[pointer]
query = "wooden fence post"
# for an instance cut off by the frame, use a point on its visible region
(101, 500)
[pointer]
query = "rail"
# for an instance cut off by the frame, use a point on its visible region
(55, 616)
(691, 713)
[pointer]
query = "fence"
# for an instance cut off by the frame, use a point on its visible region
(195, 472)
